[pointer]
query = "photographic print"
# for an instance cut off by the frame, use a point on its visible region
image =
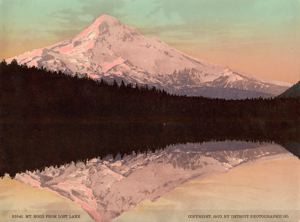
(149, 110)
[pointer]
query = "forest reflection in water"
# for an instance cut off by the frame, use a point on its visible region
(35, 146)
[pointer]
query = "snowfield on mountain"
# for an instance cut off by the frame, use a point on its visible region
(110, 50)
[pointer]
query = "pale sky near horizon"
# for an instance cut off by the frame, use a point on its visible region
(257, 37)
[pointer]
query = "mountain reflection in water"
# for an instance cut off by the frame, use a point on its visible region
(35, 146)
(106, 187)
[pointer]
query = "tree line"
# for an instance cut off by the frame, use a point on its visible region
(35, 94)
(49, 118)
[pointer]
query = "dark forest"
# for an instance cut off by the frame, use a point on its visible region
(31, 94)
(51, 118)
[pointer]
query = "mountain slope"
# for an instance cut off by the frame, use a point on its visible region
(111, 50)
(292, 92)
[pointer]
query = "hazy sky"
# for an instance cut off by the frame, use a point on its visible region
(258, 37)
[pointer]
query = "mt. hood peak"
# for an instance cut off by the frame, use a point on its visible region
(109, 49)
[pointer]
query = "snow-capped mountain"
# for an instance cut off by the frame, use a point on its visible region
(111, 50)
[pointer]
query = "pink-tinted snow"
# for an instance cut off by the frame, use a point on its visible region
(108, 66)
(66, 49)
(94, 28)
